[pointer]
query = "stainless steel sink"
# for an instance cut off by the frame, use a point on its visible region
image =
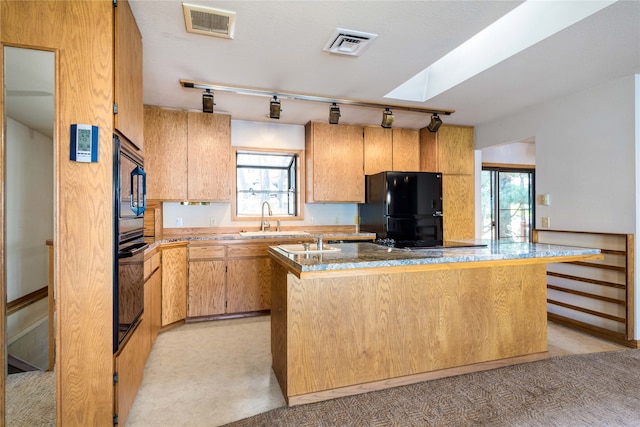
(299, 248)
(273, 233)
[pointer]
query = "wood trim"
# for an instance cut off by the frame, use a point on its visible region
(602, 266)
(586, 294)
(587, 311)
(412, 379)
(587, 280)
(26, 300)
(426, 267)
(51, 306)
(615, 240)
(508, 166)
(593, 330)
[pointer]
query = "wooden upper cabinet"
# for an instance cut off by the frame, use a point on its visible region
(378, 150)
(128, 75)
(450, 150)
(456, 149)
(406, 150)
(165, 153)
(428, 151)
(335, 163)
(209, 157)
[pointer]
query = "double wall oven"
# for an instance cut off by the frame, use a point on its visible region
(129, 203)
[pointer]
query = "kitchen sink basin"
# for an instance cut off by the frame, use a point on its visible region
(299, 248)
(273, 233)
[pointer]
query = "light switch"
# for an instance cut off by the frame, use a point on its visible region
(546, 222)
(546, 199)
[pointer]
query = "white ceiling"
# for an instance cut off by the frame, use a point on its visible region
(278, 46)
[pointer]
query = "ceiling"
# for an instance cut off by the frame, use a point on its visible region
(277, 46)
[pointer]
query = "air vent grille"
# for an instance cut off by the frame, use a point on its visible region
(349, 42)
(209, 21)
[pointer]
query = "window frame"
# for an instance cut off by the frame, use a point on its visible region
(496, 169)
(300, 183)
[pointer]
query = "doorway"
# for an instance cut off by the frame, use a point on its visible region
(507, 203)
(28, 216)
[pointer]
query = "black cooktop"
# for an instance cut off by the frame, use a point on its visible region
(421, 244)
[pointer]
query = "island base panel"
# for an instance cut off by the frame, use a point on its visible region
(330, 333)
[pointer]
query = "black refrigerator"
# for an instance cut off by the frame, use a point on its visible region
(405, 207)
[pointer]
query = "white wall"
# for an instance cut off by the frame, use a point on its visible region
(29, 186)
(518, 153)
(587, 158)
(258, 135)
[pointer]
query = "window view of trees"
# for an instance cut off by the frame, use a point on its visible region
(507, 204)
(267, 177)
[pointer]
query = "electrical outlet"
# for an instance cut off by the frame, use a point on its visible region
(546, 222)
(212, 221)
(356, 219)
(311, 220)
(179, 221)
(337, 220)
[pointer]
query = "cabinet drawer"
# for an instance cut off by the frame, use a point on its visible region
(248, 250)
(151, 264)
(206, 252)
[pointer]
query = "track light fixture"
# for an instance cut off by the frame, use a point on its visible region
(435, 123)
(387, 118)
(207, 101)
(274, 108)
(334, 114)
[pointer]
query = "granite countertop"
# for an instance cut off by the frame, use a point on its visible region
(370, 255)
(238, 236)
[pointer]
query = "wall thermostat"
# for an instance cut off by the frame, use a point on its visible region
(84, 143)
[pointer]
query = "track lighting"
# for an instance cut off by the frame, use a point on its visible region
(334, 114)
(274, 108)
(207, 101)
(435, 123)
(387, 118)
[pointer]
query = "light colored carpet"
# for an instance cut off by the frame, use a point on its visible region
(31, 399)
(599, 389)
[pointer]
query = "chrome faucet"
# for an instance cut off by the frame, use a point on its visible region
(264, 225)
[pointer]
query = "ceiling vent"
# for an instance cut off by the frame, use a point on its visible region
(349, 42)
(209, 21)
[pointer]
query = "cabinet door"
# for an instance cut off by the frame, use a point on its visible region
(128, 75)
(406, 150)
(209, 157)
(378, 150)
(335, 162)
(248, 284)
(165, 153)
(129, 365)
(153, 304)
(174, 285)
(455, 149)
(458, 207)
(206, 288)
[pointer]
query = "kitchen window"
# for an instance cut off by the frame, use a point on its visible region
(271, 176)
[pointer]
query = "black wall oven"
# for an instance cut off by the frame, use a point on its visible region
(129, 203)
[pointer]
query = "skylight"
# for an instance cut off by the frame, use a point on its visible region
(524, 26)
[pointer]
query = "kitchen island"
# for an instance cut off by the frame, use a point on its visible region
(368, 317)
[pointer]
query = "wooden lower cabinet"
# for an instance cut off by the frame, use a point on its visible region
(248, 284)
(174, 284)
(129, 368)
(228, 277)
(206, 288)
